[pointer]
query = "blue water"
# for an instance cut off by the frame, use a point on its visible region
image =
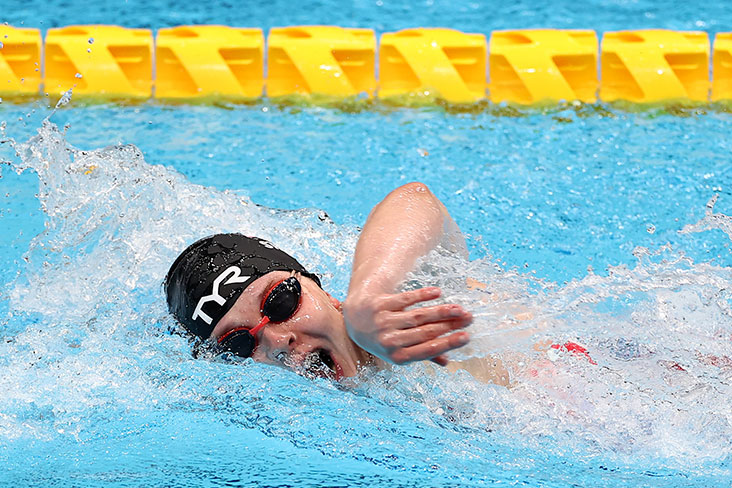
(382, 15)
(551, 193)
(97, 392)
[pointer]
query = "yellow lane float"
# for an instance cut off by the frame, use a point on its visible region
(196, 61)
(99, 60)
(722, 67)
(320, 60)
(20, 60)
(533, 66)
(654, 65)
(441, 62)
(529, 67)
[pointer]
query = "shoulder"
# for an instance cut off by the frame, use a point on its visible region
(411, 191)
(414, 187)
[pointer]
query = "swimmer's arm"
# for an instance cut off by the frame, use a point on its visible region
(407, 224)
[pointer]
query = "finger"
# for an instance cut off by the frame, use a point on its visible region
(440, 360)
(427, 315)
(431, 349)
(411, 337)
(400, 301)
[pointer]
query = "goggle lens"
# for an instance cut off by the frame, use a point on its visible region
(239, 342)
(282, 302)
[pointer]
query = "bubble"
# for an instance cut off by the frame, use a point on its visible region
(91, 40)
(77, 75)
(651, 229)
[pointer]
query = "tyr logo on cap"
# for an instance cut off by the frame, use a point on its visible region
(233, 276)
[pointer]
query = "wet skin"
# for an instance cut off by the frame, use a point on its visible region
(316, 327)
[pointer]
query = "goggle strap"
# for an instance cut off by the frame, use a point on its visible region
(258, 327)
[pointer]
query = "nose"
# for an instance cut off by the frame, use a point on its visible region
(276, 339)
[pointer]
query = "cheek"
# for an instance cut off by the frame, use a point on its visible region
(313, 305)
(316, 318)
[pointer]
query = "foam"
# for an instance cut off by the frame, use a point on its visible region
(91, 356)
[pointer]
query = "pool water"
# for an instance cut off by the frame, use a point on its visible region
(610, 225)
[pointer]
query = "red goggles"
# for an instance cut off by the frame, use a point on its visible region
(279, 304)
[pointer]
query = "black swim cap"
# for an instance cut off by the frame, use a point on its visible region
(206, 279)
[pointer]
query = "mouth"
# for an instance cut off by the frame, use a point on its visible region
(326, 359)
(321, 364)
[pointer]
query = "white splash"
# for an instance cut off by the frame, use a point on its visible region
(89, 332)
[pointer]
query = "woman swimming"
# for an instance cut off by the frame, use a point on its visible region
(244, 296)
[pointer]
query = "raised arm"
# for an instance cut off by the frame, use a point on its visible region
(407, 224)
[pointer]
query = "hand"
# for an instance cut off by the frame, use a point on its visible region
(380, 324)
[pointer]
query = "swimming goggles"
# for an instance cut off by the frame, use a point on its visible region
(279, 304)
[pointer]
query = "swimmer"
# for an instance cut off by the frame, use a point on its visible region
(243, 296)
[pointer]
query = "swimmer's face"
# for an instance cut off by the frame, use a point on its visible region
(313, 340)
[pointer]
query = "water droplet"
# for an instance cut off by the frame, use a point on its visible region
(91, 40)
(65, 98)
(1, 45)
(77, 75)
(88, 50)
(651, 229)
